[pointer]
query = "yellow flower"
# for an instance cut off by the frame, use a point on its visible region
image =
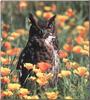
(64, 73)
(85, 52)
(86, 42)
(13, 86)
(38, 13)
(5, 61)
(70, 12)
(15, 35)
(36, 70)
(81, 71)
(40, 75)
(62, 18)
(86, 47)
(34, 97)
(43, 78)
(5, 80)
(81, 30)
(77, 49)
(65, 60)
(26, 97)
(13, 52)
(44, 75)
(75, 65)
(28, 66)
(47, 15)
(67, 47)
(4, 71)
(42, 81)
(86, 24)
(47, 8)
(23, 92)
(7, 93)
(52, 95)
(79, 39)
(68, 98)
(49, 76)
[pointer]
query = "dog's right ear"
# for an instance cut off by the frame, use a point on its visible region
(33, 20)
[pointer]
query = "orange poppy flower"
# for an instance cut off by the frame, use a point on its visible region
(68, 47)
(47, 15)
(34, 97)
(13, 86)
(52, 95)
(14, 51)
(23, 92)
(81, 30)
(64, 73)
(22, 4)
(43, 66)
(81, 71)
(42, 81)
(68, 65)
(15, 78)
(4, 60)
(15, 35)
(36, 70)
(79, 39)
(73, 65)
(86, 47)
(85, 52)
(28, 66)
(70, 12)
(4, 34)
(4, 71)
(7, 93)
(62, 18)
(53, 7)
(63, 54)
(2, 53)
(5, 80)
(77, 49)
(7, 45)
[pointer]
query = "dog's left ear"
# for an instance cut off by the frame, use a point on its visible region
(51, 20)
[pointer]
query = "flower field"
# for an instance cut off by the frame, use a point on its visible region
(72, 26)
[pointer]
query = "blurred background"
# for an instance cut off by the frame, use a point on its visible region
(15, 13)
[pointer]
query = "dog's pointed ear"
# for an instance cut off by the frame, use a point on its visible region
(33, 20)
(51, 20)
